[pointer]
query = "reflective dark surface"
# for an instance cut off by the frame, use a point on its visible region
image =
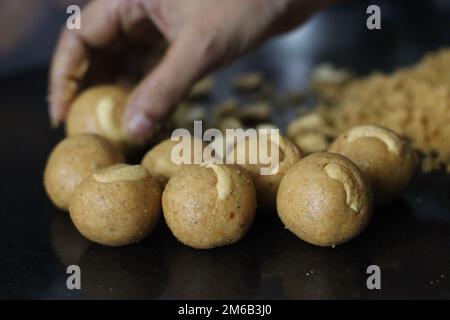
(409, 239)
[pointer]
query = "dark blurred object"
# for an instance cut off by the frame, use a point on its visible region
(28, 31)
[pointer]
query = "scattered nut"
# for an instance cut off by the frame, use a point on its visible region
(265, 92)
(180, 114)
(387, 160)
(329, 81)
(267, 126)
(230, 123)
(116, 206)
(259, 111)
(225, 109)
(186, 114)
(324, 199)
(209, 207)
(197, 112)
(74, 159)
(306, 123)
(330, 74)
(312, 142)
(202, 88)
(249, 81)
(290, 99)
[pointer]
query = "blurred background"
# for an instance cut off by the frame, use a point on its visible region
(29, 30)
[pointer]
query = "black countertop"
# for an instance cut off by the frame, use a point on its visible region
(409, 239)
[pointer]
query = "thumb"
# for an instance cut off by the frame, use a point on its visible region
(154, 98)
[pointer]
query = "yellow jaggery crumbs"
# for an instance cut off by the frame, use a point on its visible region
(413, 101)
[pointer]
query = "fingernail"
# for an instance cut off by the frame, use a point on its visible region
(139, 126)
(54, 122)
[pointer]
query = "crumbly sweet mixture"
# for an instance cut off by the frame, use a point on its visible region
(413, 101)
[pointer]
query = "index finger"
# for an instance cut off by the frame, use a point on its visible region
(100, 27)
(69, 65)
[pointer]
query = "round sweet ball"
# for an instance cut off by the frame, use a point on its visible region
(387, 160)
(100, 110)
(324, 200)
(266, 176)
(116, 206)
(74, 159)
(210, 205)
(158, 161)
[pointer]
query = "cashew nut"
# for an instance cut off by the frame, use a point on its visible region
(346, 177)
(224, 185)
(107, 120)
(390, 139)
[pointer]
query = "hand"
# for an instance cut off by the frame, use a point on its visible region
(201, 35)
